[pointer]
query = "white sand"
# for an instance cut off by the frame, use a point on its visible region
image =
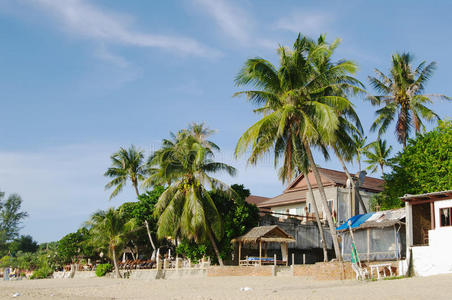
(435, 287)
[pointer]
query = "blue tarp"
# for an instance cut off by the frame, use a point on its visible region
(356, 221)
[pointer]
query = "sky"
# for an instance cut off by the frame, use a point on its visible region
(79, 79)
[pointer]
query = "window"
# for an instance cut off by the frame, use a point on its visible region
(330, 205)
(444, 215)
(309, 207)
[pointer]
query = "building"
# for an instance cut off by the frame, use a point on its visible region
(296, 201)
(429, 232)
(378, 235)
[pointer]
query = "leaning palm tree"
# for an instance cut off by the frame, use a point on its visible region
(127, 164)
(402, 96)
(186, 208)
(360, 146)
(378, 156)
(301, 103)
(109, 229)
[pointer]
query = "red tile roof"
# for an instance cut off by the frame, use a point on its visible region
(252, 199)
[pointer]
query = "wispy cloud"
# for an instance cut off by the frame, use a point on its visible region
(308, 23)
(235, 22)
(86, 20)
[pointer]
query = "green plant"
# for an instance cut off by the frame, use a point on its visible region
(42, 272)
(102, 269)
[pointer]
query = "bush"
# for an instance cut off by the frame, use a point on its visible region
(41, 273)
(103, 269)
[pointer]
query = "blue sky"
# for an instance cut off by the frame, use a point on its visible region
(79, 79)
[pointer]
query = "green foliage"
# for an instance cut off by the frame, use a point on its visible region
(424, 166)
(102, 269)
(24, 243)
(238, 218)
(11, 217)
(42, 273)
(6, 261)
(75, 245)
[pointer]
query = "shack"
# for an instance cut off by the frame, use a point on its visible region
(260, 237)
(378, 235)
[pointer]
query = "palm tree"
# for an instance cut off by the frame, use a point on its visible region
(186, 209)
(360, 147)
(378, 156)
(401, 94)
(301, 103)
(127, 164)
(109, 229)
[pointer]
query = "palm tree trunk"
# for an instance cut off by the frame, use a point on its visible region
(149, 234)
(326, 210)
(135, 185)
(317, 219)
(352, 182)
(214, 245)
(382, 171)
(115, 263)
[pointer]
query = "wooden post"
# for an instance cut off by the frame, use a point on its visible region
(260, 252)
(287, 253)
(293, 258)
(240, 252)
(274, 259)
(368, 244)
(304, 258)
(432, 215)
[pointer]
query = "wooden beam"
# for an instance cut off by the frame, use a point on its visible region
(260, 252)
(287, 253)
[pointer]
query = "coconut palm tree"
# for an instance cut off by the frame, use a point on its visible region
(186, 208)
(127, 164)
(378, 156)
(109, 229)
(402, 96)
(360, 145)
(300, 102)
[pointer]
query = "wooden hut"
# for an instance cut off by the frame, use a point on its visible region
(261, 236)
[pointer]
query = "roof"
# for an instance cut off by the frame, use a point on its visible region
(377, 219)
(336, 178)
(265, 234)
(285, 198)
(253, 199)
(428, 196)
(296, 191)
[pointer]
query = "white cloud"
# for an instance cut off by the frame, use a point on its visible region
(305, 22)
(88, 21)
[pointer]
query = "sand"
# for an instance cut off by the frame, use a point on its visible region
(434, 287)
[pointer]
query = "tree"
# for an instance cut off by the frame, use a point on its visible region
(109, 229)
(401, 94)
(424, 166)
(302, 102)
(186, 208)
(75, 245)
(360, 147)
(24, 243)
(378, 156)
(127, 164)
(11, 217)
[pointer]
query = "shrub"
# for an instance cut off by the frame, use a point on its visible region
(103, 269)
(41, 273)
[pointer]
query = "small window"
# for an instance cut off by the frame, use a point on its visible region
(330, 205)
(444, 214)
(309, 207)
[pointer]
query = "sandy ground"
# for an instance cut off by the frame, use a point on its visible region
(435, 287)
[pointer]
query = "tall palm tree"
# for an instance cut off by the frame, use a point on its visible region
(110, 230)
(127, 164)
(360, 145)
(401, 94)
(378, 156)
(301, 103)
(186, 208)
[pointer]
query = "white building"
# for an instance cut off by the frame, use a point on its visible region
(429, 232)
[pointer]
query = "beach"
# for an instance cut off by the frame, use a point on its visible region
(434, 287)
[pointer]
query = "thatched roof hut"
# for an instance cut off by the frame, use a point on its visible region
(265, 234)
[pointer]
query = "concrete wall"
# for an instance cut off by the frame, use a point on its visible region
(435, 258)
